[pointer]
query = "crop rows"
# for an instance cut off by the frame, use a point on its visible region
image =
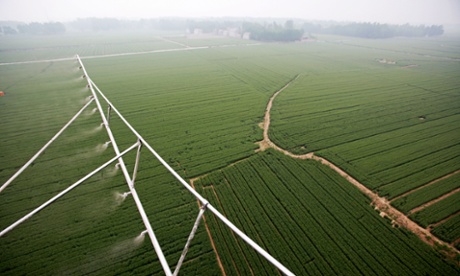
(450, 230)
(87, 229)
(392, 129)
(185, 119)
(438, 211)
(200, 110)
(26, 48)
(428, 193)
(310, 219)
(166, 112)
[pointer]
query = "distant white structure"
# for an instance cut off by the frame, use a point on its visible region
(197, 31)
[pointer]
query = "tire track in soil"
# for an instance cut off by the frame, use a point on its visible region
(381, 204)
(429, 203)
(428, 184)
(431, 226)
(457, 241)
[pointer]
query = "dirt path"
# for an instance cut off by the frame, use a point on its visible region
(172, 41)
(457, 241)
(428, 184)
(380, 203)
(431, 226)
(429, 203)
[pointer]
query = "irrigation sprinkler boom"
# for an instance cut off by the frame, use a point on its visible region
(71, 187)
(130, 180)
(45, 146)
(204, 202)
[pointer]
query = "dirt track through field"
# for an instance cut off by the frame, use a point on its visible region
(429, 203)
(380, 203)
(428, 184)
(184, 48)
(434, 225)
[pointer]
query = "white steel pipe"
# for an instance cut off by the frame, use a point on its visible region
(162, 161)
(45, 146)
(108, 114)
(189, 240)
(197, 195)
(136, 164)
(38, 209)
(248, 240)
(140, 208)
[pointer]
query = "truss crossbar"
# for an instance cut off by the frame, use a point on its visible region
(134, 194)
(189, 240)
(130, 181)
(45, 146)
(211, 208)
(68, 189)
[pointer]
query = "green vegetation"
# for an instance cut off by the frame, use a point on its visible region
(450, 230)
(392, 128)
(319, 223)
(377, 30)
(25, 48)
(427, 193)
(438, 211)
(273, 32)
(49, 28)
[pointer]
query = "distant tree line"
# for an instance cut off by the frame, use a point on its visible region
(35, 28)
(112, 24)
(375, 30)
(270, 32)
(210, 26)
(273, 32)
(164, 24)
(8, 30)
(258, 29)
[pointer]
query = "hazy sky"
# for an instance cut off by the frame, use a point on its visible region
(386, 11)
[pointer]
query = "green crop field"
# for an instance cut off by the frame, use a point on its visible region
(394, 127)
(431, 192)
(304, 203)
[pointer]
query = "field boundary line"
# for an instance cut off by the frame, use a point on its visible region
(431, 202)
(425, 185)
(188, 48)
(381, 204)
(233, 234)
(106, 56)
(174, 42)
(456, 242)
(186, 185)
(436, 224)
(130, 180)
(213, 245)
